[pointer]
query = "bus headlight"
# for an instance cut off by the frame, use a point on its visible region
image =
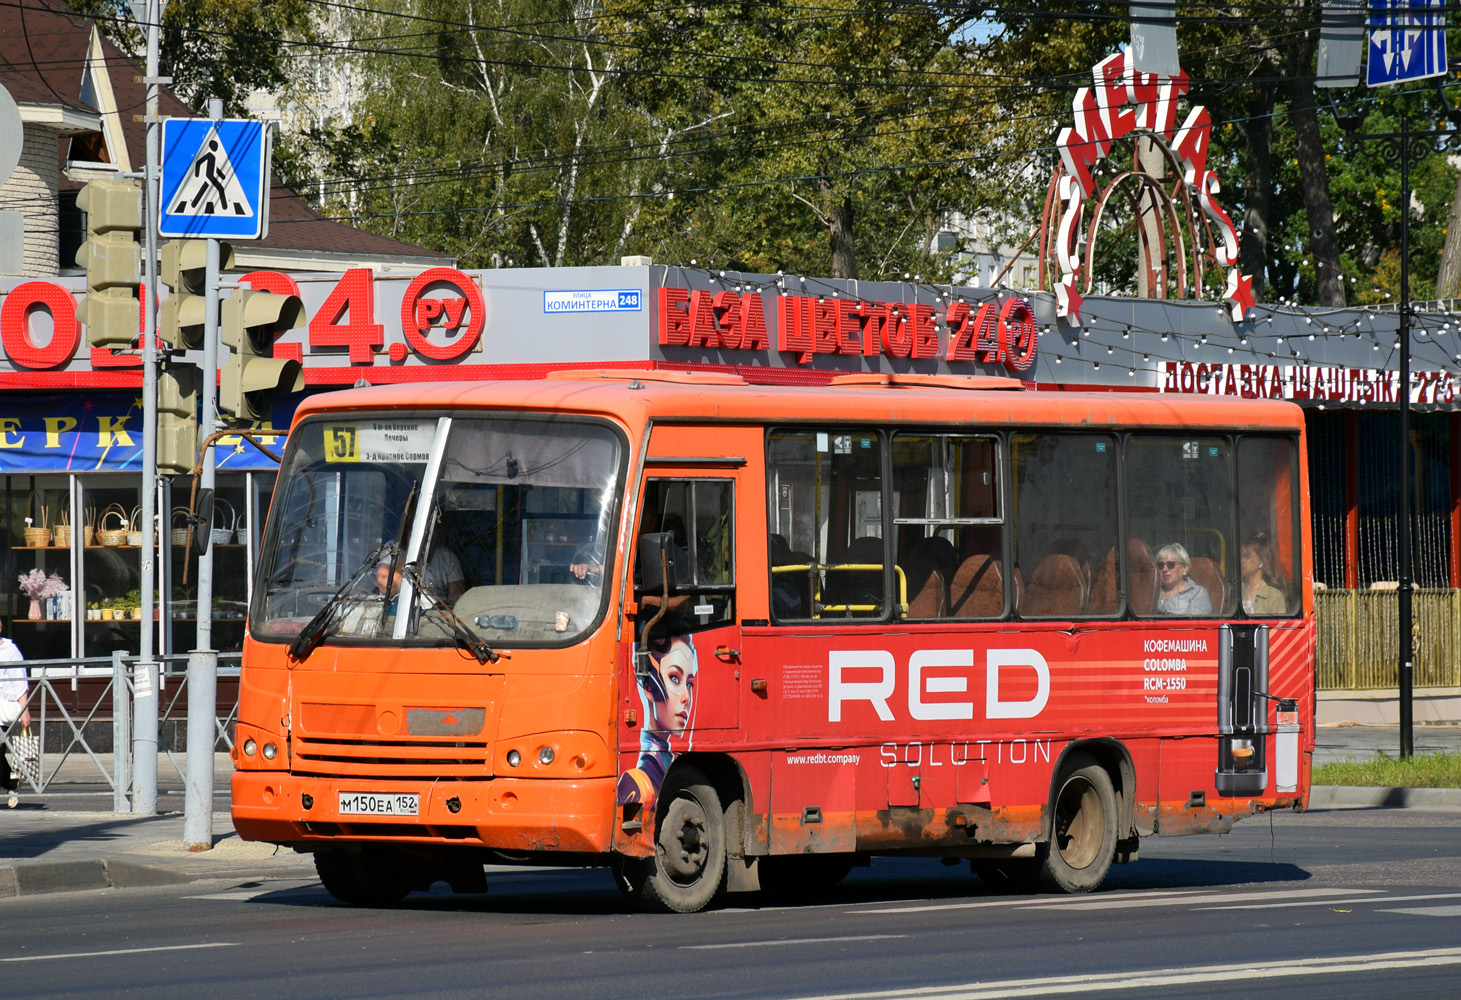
(545, 755)
(270, 751)
(250, 748)
(513, 758)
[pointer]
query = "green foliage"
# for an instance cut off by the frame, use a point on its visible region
(1441, 770)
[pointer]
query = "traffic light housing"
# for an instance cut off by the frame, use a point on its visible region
(112, 259)
(180, 321)
(177, 419)
(252, 376)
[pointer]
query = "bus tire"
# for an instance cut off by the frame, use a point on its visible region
(1082, 828)
(372, 876)
(688, 869)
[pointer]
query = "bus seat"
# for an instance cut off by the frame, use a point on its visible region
(1059, 587)
(1103, 590)
(791, 591)
(1204, 573)
(927, 561)
(1142, 569)
(864, 588)
(977, 590)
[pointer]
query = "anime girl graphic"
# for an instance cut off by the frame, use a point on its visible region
(667, 694)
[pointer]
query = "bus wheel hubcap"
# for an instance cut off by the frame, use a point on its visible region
(683, 850)
(1079, 823)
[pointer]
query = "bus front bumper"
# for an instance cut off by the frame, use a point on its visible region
(507, 813)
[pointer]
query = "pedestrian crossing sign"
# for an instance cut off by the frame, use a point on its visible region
(215, 179)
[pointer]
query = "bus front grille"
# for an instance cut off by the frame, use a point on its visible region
(389, 758)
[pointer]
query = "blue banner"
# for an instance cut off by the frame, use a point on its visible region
(102, 432)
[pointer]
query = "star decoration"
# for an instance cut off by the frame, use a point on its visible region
(1068, 301)
(1238, 294)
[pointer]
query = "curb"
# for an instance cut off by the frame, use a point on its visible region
(1360, 797)
(43, 877)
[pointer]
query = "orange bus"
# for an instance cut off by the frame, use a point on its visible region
(721, 636)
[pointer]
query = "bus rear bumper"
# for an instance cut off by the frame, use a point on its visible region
(508, 813)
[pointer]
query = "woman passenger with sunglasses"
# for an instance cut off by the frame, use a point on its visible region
(1179, 595)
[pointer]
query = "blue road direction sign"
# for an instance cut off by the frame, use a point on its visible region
(1407, 41)
(215, 179)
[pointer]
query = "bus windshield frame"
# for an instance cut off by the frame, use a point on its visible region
(380, 511)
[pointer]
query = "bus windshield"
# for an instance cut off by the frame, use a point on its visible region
(399, 528)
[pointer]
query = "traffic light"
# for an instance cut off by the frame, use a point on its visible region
(112, 260)
(252, 376)
(177, 418)
(184, 272)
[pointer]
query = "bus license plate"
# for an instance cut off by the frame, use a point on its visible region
(379, 804)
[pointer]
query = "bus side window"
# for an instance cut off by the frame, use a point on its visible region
(827, 543)
(949, 525)
(699, 517)
(1065, 517)
(1179, 497)
(1268, 527)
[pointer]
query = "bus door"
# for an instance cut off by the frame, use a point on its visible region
(680, 687)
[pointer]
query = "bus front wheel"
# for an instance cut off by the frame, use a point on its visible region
(375, 875)
(688, 869)
(1083, 828)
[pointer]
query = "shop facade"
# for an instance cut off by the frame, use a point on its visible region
(70, 426)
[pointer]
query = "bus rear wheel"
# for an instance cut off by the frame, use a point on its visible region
(688, 869)
(374, 875)
(1083, 828)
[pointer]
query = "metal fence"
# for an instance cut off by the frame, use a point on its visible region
(1358, 633)
(72, 700)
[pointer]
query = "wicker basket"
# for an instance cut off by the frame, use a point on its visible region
(88, 524)
(62, 531)
(181, 516)
(37, 528)
(107, 534)
(134, 527)
(223, 535)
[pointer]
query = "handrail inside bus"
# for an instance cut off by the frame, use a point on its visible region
(818, 606)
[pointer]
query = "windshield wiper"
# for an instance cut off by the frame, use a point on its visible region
(464, 636)
(328, 618)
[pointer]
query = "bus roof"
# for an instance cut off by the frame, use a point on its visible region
(636, 396)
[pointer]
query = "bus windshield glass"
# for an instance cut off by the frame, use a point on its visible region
(439, 529)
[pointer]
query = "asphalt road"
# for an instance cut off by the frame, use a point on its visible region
(1344, 903)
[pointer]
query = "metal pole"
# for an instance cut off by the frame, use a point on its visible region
(144, 735)
(121, 727)
(1407, 584)
(203, 660)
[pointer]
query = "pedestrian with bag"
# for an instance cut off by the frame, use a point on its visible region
(13, 690)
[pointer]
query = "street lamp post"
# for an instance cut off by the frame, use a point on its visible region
(1402, 148)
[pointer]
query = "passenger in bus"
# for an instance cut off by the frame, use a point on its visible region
(388, 583)
(1179, 595)
(443, 569)
(1263, 582)
(667, 694)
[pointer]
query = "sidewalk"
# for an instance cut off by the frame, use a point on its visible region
(68, 839)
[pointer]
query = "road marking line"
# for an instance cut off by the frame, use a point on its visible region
(1348, 899)
(121, 951)
(1428, 911)
(1286, 894)
(764, 944)
(933, 907)
(1195, 975)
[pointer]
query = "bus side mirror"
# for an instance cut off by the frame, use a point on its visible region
(662, 564)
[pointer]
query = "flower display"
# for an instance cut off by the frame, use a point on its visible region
(39, 587)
